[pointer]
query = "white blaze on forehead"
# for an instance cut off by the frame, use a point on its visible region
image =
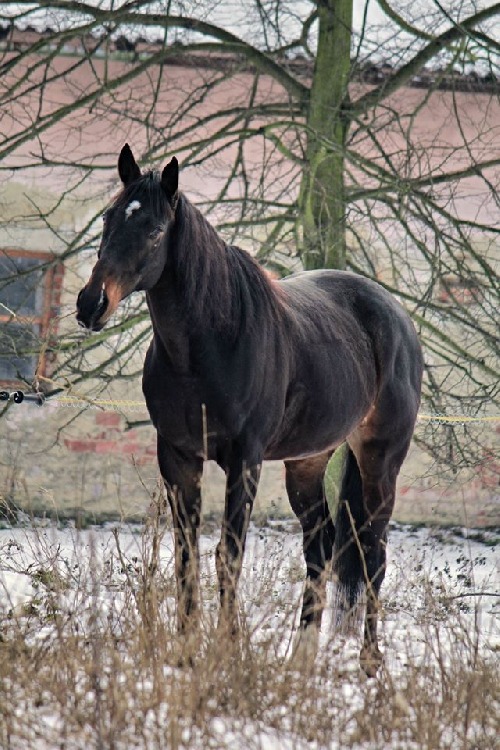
(134, 206)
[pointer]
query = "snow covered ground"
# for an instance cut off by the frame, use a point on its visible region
(441, 590)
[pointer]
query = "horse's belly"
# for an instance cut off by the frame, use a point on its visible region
(317, 421)
(307, 440)
(295, 449)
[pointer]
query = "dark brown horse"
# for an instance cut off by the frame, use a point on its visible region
(242, 369)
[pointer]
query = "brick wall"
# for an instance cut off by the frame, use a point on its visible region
(54, 291)
(109, 435)
(53, 460)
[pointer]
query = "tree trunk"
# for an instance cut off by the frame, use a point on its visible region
(322, 198)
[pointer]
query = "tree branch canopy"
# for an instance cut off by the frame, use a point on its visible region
(295, 150)
(228, 41)
(436, 45)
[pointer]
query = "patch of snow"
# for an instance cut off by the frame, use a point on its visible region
(451, 569)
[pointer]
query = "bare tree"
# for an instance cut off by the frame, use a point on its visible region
(371, 150)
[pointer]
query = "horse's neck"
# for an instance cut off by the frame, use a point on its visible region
(207, 289)
(197, 266)
(197, 245)
(169, 321)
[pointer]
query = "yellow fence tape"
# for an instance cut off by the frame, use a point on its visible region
(127, 404)
(80, 401)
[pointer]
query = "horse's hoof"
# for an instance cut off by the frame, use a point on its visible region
(186, 646)
(305, 647)
(370, 659)
(184, 661)
(228, 628)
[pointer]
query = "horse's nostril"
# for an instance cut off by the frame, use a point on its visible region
(90, 307)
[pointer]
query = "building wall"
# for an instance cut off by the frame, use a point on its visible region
(60, 461)
(61, 458)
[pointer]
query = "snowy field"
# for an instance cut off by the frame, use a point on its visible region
(89, 652)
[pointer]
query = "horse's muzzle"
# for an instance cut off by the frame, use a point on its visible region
(91, 307)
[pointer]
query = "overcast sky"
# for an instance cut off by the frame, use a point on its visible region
(382, 39)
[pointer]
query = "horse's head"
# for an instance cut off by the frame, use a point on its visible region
(132, 252)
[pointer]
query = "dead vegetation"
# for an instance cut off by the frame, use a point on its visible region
(90, 657)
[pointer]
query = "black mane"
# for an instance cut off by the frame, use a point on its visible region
(147, 190)
(221, 285)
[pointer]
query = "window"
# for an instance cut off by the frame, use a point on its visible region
(30, 288)
(455, 290)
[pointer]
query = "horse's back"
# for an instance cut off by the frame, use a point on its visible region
(372, 317)
(331, 297)
(367, 300)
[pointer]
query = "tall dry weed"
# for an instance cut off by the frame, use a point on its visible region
(90, 656)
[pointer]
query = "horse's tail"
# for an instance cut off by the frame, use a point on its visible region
(348, 555)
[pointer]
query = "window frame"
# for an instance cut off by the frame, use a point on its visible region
(43, 318)
(453, 290)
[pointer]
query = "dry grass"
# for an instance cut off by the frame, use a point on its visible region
(89, 653)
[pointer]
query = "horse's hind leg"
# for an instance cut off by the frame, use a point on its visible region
(306, 492)
(379, 497)
(379, 462)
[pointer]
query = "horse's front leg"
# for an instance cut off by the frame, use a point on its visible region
(182, 477)
(241, 488)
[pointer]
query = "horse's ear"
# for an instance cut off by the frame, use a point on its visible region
(170, 180)
(127, 166)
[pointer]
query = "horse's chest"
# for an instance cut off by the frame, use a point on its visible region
(184, 410)
(175, 405)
